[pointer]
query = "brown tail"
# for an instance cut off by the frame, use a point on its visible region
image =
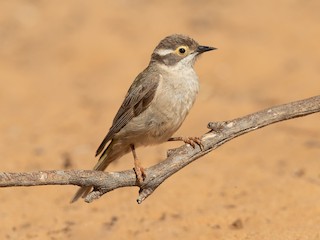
(113, 152)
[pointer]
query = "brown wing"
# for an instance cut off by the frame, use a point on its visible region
(138, 99)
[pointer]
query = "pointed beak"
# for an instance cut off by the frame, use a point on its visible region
(202, 49)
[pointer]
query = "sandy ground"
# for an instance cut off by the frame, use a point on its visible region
(64, 70)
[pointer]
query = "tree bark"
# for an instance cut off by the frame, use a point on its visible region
(220, 133)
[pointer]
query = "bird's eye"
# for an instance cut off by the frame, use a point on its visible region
(182, 50)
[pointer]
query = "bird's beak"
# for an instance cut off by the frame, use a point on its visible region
(202, 49)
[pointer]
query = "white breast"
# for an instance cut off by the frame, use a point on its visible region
(175, 95)
(174, 98)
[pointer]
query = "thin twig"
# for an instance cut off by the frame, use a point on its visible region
(219, 134)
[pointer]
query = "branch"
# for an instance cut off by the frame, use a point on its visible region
(220, 133)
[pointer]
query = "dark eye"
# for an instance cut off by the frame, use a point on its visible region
(182, 50)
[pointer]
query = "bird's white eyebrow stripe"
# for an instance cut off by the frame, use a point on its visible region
(163, 52)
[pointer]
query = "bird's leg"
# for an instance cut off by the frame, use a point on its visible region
(189, 140)
(139, 170)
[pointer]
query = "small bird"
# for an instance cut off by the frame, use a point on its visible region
(155, 105)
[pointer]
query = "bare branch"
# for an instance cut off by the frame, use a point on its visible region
(220, 133)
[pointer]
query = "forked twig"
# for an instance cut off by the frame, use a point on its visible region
(220, 133)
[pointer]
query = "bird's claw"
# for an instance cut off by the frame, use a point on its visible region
(140, 174)
(192, 141)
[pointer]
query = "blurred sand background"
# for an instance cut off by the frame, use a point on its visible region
(65, 67)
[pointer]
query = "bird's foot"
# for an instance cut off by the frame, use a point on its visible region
(140, 173)
(138, 169)
(193, 141)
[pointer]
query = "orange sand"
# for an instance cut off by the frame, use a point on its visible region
(64, 70)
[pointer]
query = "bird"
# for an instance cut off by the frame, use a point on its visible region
(155, 105)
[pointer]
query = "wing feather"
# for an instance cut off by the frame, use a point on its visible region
(137, 100)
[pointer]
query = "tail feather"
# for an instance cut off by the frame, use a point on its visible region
(112, 152)
(82, 192)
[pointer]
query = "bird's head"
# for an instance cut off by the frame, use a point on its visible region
(178, 49)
